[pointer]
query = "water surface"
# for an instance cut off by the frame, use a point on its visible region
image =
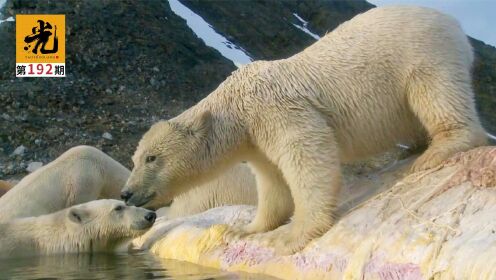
(109, 266)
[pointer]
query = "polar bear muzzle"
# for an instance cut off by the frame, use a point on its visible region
(136, 199)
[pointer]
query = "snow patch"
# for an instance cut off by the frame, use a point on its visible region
(304, 27)
(2, 4)
(7, 19)
(211, 38)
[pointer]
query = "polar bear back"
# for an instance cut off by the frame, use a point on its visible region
(79, 175)
(359, 74)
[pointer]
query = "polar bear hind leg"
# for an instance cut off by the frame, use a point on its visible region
(446, 109)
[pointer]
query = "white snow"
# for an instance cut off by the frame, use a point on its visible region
(211, 38)
(2, 4)
(7, 19)
(304, 28)
(491, 136)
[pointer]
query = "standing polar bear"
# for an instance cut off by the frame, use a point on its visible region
(392, 74)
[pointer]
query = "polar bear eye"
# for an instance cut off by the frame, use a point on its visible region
(150, 159)
(119, 208)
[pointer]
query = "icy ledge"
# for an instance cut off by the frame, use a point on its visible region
(435, 224)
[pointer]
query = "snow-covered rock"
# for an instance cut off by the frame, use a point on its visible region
(33, 166)
(211, 38)
(107, 135)
(19, 151)
(435, 224)
(9, 19)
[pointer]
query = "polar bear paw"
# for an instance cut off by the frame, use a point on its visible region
(429, 159)
(240, 230)
(284, 240)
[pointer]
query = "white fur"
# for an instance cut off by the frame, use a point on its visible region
(79, 175)
(99, 227)
(390, 75)
(236, 186)
(85, 173)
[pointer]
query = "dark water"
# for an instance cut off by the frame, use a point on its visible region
(109, 266)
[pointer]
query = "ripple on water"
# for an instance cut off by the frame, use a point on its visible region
(108, 266)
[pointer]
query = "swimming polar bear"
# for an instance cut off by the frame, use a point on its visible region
(79, 175)
(96, 226)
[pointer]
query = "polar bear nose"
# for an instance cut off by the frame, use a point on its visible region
(126, 195)
(151, 216)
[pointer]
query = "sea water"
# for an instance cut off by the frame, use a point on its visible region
(141, 265)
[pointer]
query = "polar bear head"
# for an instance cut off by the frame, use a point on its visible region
(170, 158)
(103, 224)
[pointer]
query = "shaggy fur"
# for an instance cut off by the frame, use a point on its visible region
(79, 175)
(393, 74)
(236, 186)
(85, 173)
(96, 226)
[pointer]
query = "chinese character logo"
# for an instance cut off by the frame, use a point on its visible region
(40, 46)
(41, 34)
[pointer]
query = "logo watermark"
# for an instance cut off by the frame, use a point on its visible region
(40, 46)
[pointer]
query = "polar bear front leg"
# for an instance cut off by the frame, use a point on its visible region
(275, 204)
(310, 165)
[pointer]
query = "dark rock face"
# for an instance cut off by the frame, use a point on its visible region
(484, 81)
(265, 29)
(131, 63)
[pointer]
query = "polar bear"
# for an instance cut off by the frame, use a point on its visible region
(392, 74)
(96, 226)
(236, 186)
(79, 175)
(389, 75)
(84, 173)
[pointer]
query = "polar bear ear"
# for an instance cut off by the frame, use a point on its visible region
(78, 215)
(202, 123)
